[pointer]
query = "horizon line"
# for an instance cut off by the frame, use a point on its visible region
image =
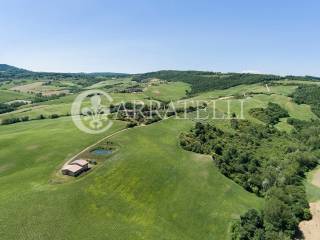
(257, 72)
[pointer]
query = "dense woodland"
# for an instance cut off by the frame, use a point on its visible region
(269, 115)
(308, 94)
(266, 162)
(307, 132)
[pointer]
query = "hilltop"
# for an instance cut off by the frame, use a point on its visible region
(8, 72)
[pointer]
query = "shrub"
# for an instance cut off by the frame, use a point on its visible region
(25, 118)
(10, 121)
(40, 117)
(53, 116)
(132, 124)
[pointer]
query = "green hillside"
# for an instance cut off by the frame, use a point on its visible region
(6, 96)
(152, 189)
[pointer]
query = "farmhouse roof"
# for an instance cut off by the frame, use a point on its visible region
(80, 162)
(72, 168)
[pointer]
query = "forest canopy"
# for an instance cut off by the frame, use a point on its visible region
(244, 156)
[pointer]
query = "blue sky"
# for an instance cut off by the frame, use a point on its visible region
(274, 36)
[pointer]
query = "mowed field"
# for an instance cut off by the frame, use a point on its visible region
(168, 92)
(150, 189)
(39, 87)
(6, 96)
(246, 90)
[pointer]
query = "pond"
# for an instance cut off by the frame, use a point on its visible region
(101, 152)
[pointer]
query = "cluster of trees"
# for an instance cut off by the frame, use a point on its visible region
(284, 208)
(8, 121)
(6, 107)
(146, 114)
(130, 89)
(269, 115)
(41, 98)
(137, 114)
(243, 155)
(307, 132)
(308, 94)
(13, 120)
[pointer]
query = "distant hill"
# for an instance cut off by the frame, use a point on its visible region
(106, 74)
(5, 68)
(8, 72)
(202, 81)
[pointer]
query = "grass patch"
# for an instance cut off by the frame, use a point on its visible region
(7, 96)
(313, 192)
(168, 92)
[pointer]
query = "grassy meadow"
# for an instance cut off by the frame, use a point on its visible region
(151, 189)
(168, 92)
(7, 96)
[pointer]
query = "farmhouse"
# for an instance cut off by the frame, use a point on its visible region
(75, 168)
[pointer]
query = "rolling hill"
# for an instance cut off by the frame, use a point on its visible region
(153, 187)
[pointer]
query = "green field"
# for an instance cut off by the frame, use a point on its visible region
(161, 192)
(109, 82)
(247, 90)
(168, 92)
(7, 96)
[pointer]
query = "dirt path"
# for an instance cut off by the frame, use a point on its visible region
(107, 137)
(225, 98)
(87, 148)
(311, 229)
(101, 140)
